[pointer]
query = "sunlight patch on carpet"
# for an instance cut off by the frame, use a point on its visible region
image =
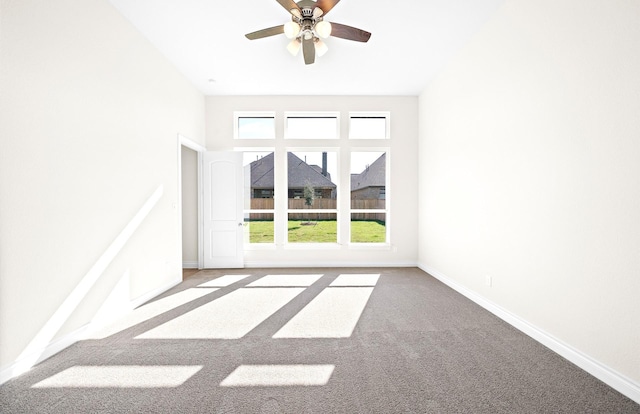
(334, 313)
(150, 310)
(229, 317)
(286, 280)
(223, 281)
(278, 376)
(353, 279)
(122, 376)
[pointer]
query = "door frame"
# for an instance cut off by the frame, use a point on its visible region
(183, 141)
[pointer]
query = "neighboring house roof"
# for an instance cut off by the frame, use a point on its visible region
(373, 176)
(299, 173)
(262, 172)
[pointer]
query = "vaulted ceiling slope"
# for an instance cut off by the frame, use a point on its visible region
(411, 41)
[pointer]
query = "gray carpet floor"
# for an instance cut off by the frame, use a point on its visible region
(417, 347)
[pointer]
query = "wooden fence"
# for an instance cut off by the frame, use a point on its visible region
(368, 204)
(318, 204)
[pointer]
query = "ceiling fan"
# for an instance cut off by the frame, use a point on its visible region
(307, 28)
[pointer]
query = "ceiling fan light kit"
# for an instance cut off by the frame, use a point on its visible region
(291, 29)
(294, 47)
(307, 28)
(323, 29)
(321, 47)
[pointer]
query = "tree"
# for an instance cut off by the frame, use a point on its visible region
(309, 194)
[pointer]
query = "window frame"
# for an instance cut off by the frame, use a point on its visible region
(387, 199)
(336, 211)
(248, 211)
(342, 146)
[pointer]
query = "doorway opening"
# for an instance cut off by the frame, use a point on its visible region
(189, 204)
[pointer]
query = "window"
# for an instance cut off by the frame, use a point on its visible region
(368, 125)
(303, 125)
(293, 188)
(259, 184)
(368, 197)
(255, 125)
(312, 197)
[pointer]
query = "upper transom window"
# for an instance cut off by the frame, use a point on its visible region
(254, 125)
(312, 125)
(369, 125)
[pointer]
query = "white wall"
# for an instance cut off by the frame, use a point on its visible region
(89, 118)
(530, 172)
(189, 166)
(403, 162)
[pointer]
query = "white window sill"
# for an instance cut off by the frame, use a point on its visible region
(312, 246)
(370, 246)
(259, 246)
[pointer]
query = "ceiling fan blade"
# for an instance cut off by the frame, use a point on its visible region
(289, 5)
(272, 31)
(309, 51)
(326, 5)
(350, 33)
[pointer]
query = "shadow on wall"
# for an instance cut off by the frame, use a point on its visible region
(36, 349)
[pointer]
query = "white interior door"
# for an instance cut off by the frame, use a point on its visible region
(223, 216)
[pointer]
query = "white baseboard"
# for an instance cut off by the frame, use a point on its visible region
(25, 363)
(141, 300)
(614, 379)
(288, 264)
(190, 265)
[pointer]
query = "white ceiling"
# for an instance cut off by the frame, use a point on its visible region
(411, 41)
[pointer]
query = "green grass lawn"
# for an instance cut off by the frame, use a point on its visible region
(322, 231)
(368, 232)
(261, 231)
(312, 231)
